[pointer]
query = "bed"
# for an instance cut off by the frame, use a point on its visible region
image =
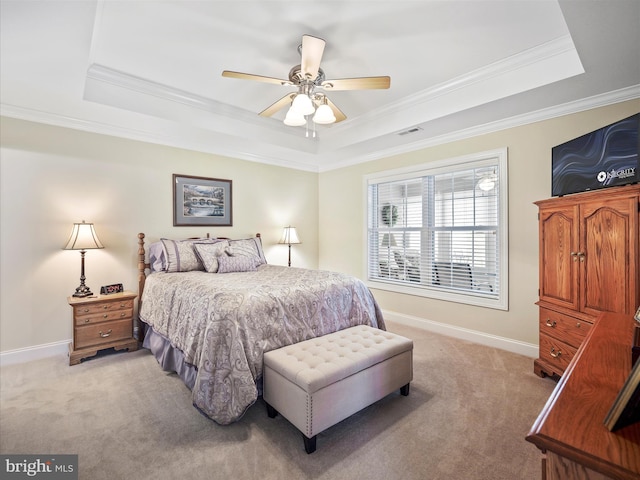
(209, 308)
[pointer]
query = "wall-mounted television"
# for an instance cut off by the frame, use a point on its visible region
(606, 157)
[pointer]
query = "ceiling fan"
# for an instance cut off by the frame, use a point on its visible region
(311, 84)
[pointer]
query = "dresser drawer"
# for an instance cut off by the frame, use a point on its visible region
(103, 316)
(102, 333)
(556, 352)
(102, 307)
(565, 328)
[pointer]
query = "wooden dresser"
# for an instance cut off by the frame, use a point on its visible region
(589, 263)
(100, 322)
(570, 430)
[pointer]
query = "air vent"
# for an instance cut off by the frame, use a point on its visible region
(411, 130)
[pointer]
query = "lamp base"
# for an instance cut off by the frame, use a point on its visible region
(82, 291)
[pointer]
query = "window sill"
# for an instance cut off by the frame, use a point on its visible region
(478, 299)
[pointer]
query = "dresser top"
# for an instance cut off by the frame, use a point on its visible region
(572, 422)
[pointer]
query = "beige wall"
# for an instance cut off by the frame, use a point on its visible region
(51, 177)
(343, 222)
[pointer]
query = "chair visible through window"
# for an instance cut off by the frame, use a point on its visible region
(456, 275)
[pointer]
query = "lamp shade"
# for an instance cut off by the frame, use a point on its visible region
(302, 104)
(389, 240)
(294, 119)
(324, 115)
(487, 183)
(289, 236)
(83, 237)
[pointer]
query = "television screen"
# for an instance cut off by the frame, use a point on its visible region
(603, 158)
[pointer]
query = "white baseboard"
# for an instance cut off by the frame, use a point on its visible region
(503, 343)
(37, 352)
(21, 355)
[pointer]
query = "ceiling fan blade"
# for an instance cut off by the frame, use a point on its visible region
(364, 83)
(280, 104)
(257, 78)
(312, 50)
(336, 111)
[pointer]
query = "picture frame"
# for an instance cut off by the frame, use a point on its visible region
(202, 201)
(626, 407)
(637, 315)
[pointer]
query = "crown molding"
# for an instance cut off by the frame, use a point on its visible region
(596, 101)
(324, 162)
(211, 145)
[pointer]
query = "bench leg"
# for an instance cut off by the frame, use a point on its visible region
(272, 412)
(309, 443)
(405, 390)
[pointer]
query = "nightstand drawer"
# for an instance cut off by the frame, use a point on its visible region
(565, 328)
(94, 308)
(103, 333)
(103, 316)
(556, 352)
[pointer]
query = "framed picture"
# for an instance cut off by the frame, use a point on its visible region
(626, 408)
(201, 201)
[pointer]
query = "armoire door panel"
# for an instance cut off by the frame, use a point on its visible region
(606, 271)
(558, 265)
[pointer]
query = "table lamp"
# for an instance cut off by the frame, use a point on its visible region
(83, 237)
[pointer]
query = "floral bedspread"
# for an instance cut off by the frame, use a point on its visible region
(223, 323)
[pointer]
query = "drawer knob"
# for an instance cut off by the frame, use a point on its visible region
(122, 305)
(85, 310)
(105, 316)
(549, 323)
(122, 314)
(555, 354)
(105, 307)
(105, 335)
(87, 320)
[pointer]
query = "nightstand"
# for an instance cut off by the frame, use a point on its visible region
(100, 322)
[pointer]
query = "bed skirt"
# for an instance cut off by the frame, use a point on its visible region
(170, 358)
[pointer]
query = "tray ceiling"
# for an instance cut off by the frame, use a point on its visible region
(152, 70)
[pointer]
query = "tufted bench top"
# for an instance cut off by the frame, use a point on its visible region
(318, 362)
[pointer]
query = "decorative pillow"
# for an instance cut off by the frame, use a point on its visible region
(249, 247)
(180, 255)
(157, 257)
(208, 253)
(228, 264)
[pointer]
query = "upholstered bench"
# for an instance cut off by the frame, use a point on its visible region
(319, 382)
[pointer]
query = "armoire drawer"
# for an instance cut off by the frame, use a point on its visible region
(565, 328)
(555, 352)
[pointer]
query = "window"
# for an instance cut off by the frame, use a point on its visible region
(440, 230)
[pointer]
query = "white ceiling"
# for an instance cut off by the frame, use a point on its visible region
(151, 70)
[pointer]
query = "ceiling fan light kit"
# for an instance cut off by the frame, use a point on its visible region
(303, 105)
(294, 119)
(324, 115)
(308, 76)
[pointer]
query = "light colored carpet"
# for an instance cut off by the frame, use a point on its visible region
(466, 417)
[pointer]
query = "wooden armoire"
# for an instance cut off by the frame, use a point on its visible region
(589, 263)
